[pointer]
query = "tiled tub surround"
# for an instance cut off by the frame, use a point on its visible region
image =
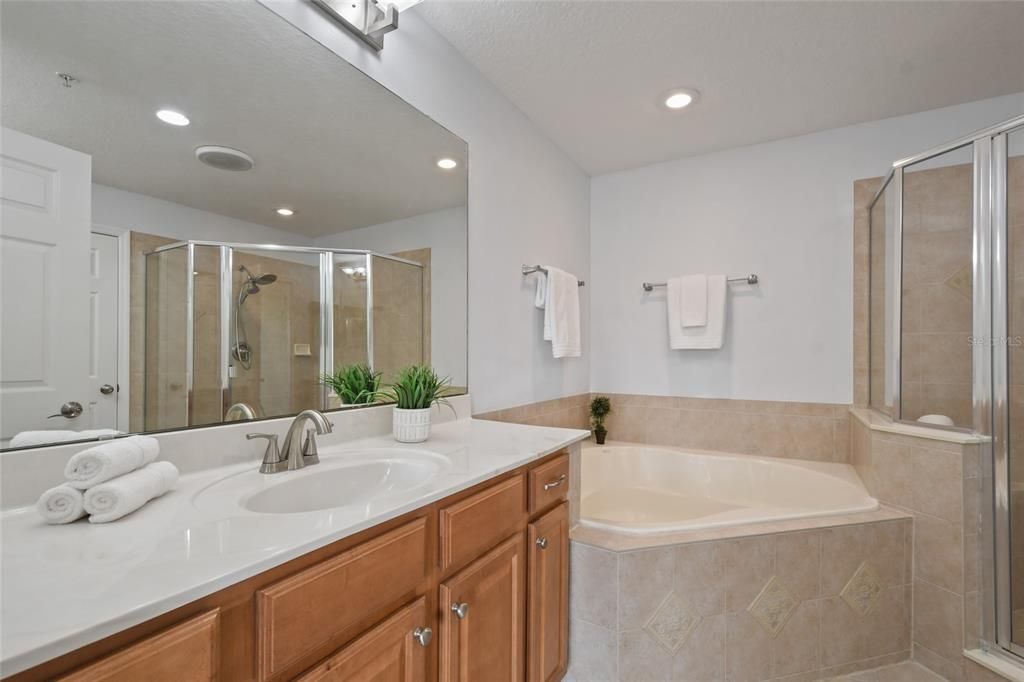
(794, 605)
(939, 483)
(816, 431)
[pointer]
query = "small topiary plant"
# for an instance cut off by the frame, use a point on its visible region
(600, 408)
(354, 384)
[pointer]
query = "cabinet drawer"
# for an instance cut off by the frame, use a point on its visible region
(549, 483)
(310, 609)
(472, 525)
(389, 651)
(187, 652)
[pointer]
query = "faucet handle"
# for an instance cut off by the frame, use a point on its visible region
(271, 456)
(310, 455)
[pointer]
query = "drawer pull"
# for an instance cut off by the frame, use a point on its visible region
(423, 635)
(542, 543)
(555, 483)
(460, 609)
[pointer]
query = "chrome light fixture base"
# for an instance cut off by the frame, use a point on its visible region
(363, 18)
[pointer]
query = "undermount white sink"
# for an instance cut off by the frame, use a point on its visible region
(352, 479)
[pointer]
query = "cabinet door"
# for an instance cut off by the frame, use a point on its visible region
(484, 638)
(547, 632)
(394, 651)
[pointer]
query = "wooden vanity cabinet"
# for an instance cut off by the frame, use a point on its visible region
(377, 606)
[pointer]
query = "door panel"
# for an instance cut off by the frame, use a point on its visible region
(389, 652)
(103, 274)
(45, 206)
(548, 594)
(487, 643)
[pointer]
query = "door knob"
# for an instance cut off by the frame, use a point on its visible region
(542, 543)
(106, 389)
(423, 635)
(460, 609)
(68, 410)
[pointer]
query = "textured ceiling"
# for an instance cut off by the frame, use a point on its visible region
(328, 140)
(588, 73)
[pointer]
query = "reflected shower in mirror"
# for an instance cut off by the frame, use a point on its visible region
(196, 228)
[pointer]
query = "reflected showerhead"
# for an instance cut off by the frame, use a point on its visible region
(266, 279)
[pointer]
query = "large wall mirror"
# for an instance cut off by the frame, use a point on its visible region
(203, 211)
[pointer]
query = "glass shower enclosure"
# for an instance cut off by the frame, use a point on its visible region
(946, 330)
(242, 331)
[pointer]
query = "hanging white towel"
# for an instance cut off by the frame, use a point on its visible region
(711, 335)
(113, 499)
(62, 504)
(104, 462)
(562, 313)
(693, 300)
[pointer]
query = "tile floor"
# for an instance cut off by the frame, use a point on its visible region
(907, 671)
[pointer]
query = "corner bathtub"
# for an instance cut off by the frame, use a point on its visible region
(645, 490)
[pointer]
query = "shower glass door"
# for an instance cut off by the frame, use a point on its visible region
(275, 331)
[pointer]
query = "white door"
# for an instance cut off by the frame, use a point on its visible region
(45, 223)
(103, 319)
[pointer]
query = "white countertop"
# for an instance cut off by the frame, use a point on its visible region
(63, 587)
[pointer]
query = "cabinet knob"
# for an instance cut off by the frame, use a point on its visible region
(423, 635)
(460, 609)
(542, 543)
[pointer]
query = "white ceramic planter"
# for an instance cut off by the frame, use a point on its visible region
(411, 426)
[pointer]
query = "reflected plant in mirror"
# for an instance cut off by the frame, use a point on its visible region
(354, 385)
(210, 260)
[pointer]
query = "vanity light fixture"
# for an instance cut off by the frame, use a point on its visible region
(679, 98)
(368, 20)
(171, 117)
(447, 164)
(286, 212)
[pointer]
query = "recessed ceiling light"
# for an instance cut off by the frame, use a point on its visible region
(447, 164)
(171, 117)
(285, 211)
(679, 98)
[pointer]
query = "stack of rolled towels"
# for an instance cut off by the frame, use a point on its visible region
(109, 481)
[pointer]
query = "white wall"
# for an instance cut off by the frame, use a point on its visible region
(444, 233)
(528, 203)
(783, 210)
(120, 211)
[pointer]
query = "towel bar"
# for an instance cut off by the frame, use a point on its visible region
(527, 269)
(749, 279)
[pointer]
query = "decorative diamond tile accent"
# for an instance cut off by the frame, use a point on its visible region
(962, 281)
(672, 623)
(862, 590)
(773, 607)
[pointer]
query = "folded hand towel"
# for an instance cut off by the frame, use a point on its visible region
(62, 504)
(113, 499)
(104, 462)
(540, 296)
(562, 313)
(27, 439)
(693, 300)
(709, 336)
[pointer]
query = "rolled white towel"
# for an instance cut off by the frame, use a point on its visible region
(113, 499)
(62, 504)
(109, 460)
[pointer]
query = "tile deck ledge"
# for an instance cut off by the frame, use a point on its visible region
(996, 664)
(876, 421)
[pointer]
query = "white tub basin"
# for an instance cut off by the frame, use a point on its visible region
(354, 479)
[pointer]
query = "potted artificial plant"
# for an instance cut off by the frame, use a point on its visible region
(415, 391)
(354, 384)
(600, 407)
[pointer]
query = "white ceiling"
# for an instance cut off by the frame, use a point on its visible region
(328, 140)
(588, 73)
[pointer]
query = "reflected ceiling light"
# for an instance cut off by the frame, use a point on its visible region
(171, 117)
(679, 98)
(447, 164)
(285, 211)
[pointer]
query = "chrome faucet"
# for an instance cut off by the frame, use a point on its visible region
(297, 451)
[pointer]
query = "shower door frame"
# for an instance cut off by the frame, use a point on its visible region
(326, 290)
